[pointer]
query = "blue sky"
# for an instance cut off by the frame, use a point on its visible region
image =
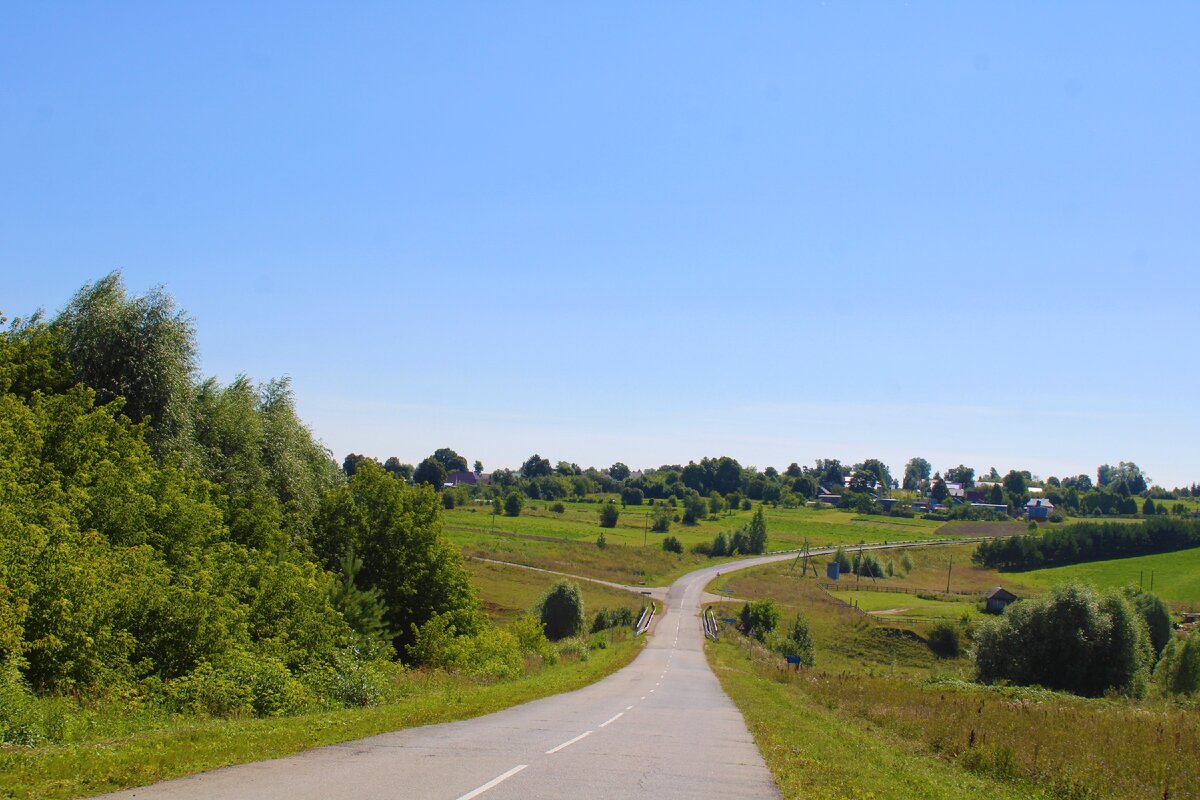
(646, 232)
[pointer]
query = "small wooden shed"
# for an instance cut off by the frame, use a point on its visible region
(998, 600)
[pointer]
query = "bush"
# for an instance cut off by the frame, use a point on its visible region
(618, 617)
(601, 542)
(660, 519)
(1179, 670)
(943, 640)
(558, 508)
(609, 515)
(672, 545)
(759, 618)
(631, 496)
(694, 509)
(1075, 640)
(798, 641)
(1156, 614)
(561, 610)
(906, 562)
(512, 504)
(531, 639)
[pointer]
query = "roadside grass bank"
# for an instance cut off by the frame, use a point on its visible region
(815, 753)
(855, 735)
(113, 746)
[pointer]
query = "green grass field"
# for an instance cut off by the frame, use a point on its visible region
(1176, 575)
(507, 592)
(900, 605)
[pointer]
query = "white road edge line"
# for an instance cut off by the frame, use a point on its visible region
(493, 782)
(553, 750)
(629, 708)
(614, 719)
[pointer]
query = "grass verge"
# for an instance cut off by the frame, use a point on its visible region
(188, 745)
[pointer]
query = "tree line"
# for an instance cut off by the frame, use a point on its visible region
(1088, 541)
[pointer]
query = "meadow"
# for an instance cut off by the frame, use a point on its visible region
(881, 716)
(507, 592)
(1175, 576)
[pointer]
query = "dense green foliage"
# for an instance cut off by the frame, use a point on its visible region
(797, 642)
(561, 610)
(206, 555)
(1089, 541)
(1075, 639)
(759, 618)
(1179, 670)
(608, 515)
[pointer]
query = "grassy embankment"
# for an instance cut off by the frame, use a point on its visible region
(109, 747)
(880, 716)
(566, 542)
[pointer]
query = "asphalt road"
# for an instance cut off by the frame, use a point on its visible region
(659, 728)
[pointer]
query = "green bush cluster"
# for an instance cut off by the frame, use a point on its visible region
(614, 618)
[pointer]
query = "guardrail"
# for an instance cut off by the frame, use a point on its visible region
(708, 620)
(643, 623)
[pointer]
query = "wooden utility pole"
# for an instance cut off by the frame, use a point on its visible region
(646, 530)
(948, 571)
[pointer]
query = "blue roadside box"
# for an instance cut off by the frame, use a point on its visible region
(833, 570)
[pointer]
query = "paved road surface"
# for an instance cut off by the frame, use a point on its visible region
(659, 728)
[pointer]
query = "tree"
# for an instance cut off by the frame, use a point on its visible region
(477, 468)
(939, 492)
(842, 559)
(397, 531)
(400, 471)
(512, 504)
(1017, 485)
(601, 542)
(1156, 615)
(139, 348)
(660, 519)
(716, 503)
(672, 545)
(431, 473)
(879, 470)
(694, 509)
(862, 481)
(561, 610)
(906, 562)
(631, 496)
(759, 618)
(829, 471)
(793, 470)
(618, 471)
(535, 467)
(915, 471)
(798, 641)
(961, 474)
(450, 460)
(757, 533)
(1179, 670)
(608, 515)
(1074, 640)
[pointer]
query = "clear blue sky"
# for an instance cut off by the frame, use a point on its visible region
(646, 232)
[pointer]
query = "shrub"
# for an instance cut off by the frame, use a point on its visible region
(798, 641)
(694, 509)
(672, 545)
(720, 546)
(1074, 640)
(512, 504)
(943, 640)
(631, 496)
(1156, 614)
(1179, 670)
(558, 508)
(842, 559)
(609, 515)
(601, 542)
(906, 562)
(616, 618)
(660, 519)
(759, 618)
(531, 638)
(561, 610)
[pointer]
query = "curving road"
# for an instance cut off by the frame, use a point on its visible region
(661, 728)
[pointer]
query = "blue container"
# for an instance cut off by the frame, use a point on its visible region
(833, 570)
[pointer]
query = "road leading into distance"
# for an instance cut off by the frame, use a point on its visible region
(659, 728)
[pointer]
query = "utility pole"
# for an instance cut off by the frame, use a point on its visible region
(646, 530)
(948, 570)
(1152, 580)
